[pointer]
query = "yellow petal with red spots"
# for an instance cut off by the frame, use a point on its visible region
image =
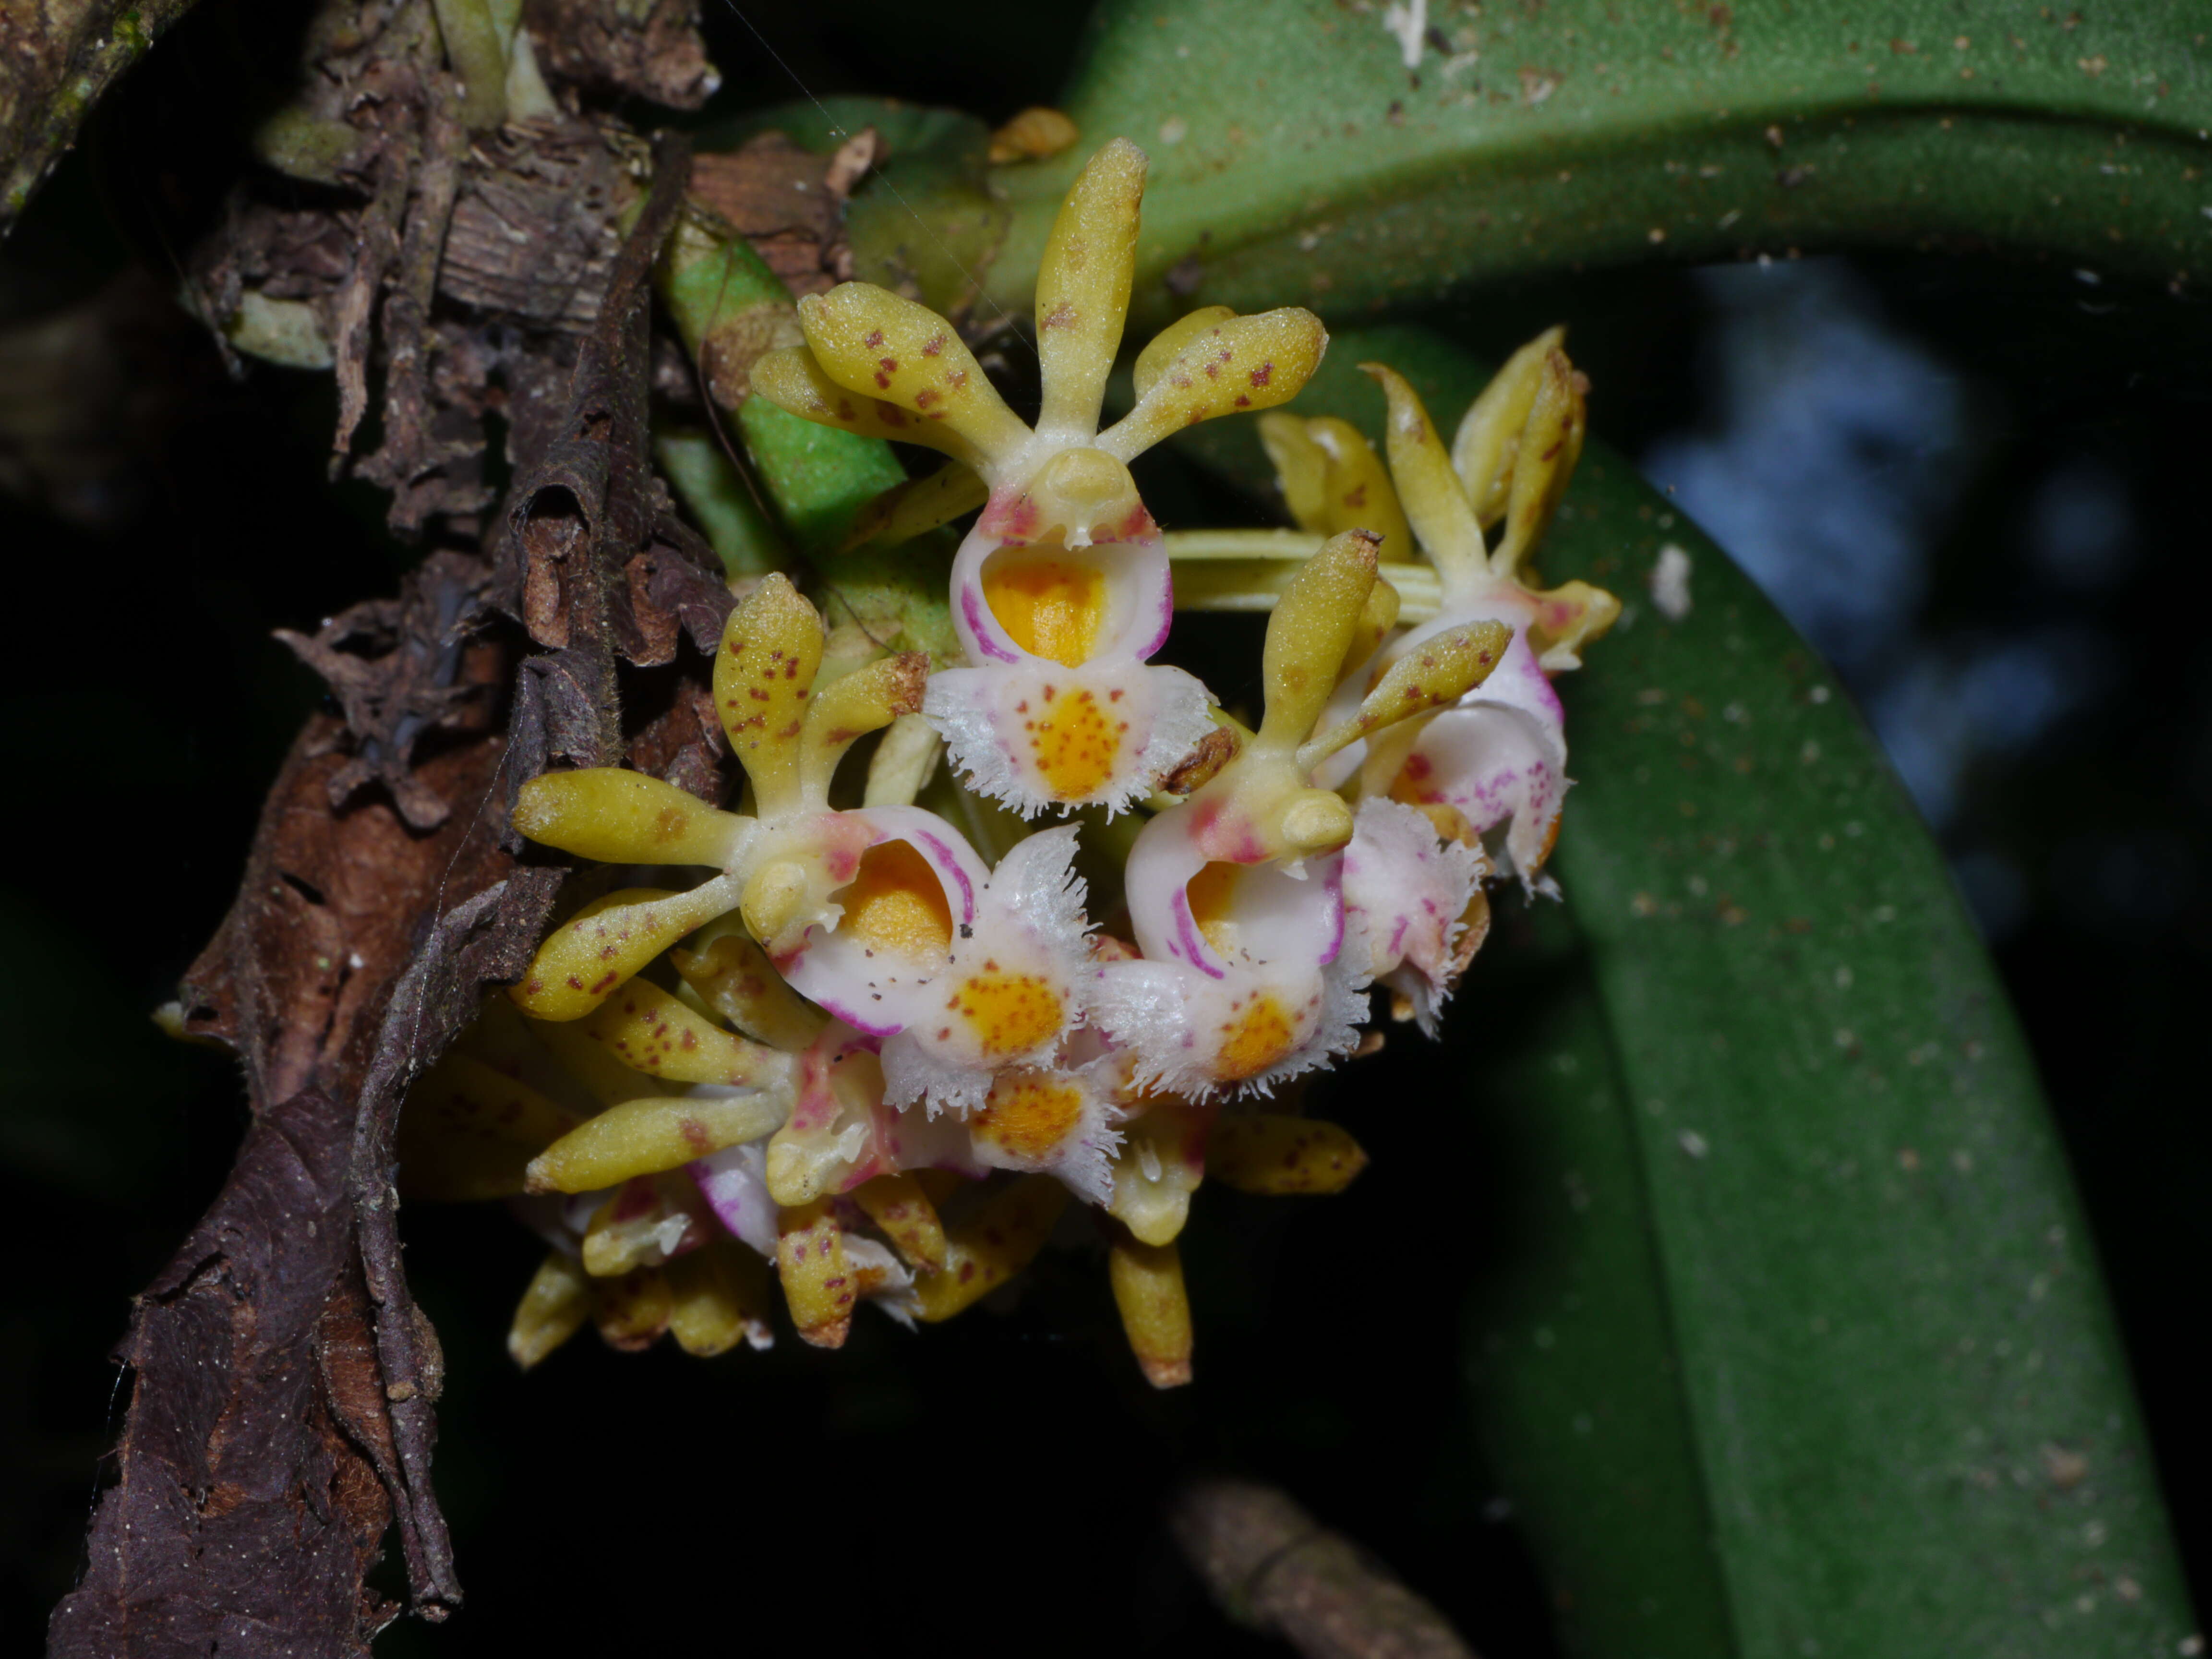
(633, 1311)
(588, 957)
(1148, 1289)
(1568, 617)
(1312, 628)
(907, 510)
(1430, 491)
(552, 1309)
(647, 1137)
(792, 380)
(1236, 364)
(1083, 286)
(1278, 1156)
(1550, 444)
(467, 1132)
(734, 977)
(625, 818)
(1489, 438)
(651, 1031)
(718, 1297)
(1301, 469)
(865, 701)
(764, 675)
(1442, 669)
(869, 340)
(990, 1247)
(818, 1283)
(901, 1208)
(1164, 347)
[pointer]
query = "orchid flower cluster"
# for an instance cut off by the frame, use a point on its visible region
(848, 1052)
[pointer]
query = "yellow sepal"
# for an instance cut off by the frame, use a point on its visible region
(871, 341)
(1276, 1156)
(899, 1207)
(1226, 367)
(633, 1311)
(1489, 437)
(991, 1246)
(588, 957)
(1163, 347)
(1312, 628)
(616, 816)
(793, 380)
(1148, 1289)
(867, 700)
(1083, 286)
(764, 675)
(1434, 502)
(651, 1031)
(1441, 669)
(738, 982)
(467, 1132)
(650, 1136)
(1568, 617)
(907, 510)
(817, 1281)
(718, 1297)
(552, 1309)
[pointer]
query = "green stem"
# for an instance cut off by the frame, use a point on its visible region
(719, 502)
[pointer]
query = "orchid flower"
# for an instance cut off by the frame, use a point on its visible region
(1061, 593)
(1236, 895)
(885, 917)
(1495, 766)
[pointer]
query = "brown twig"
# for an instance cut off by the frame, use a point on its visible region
(1272, 1566)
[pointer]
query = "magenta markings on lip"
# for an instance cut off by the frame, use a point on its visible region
(980, 622)
(857, 1023)
(1189, 942)
(1167, 617)
(944, 858)
(1334, 886)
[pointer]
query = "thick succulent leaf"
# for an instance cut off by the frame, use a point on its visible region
(1309, 152)
(1798, 1337)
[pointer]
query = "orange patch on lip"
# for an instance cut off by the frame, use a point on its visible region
(1009, 1013)
(1052, 608)
(895, 902)
(1074, 741)
(1255, 1040)
(1028, 1115)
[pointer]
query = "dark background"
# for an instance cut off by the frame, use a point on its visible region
(2016, 455)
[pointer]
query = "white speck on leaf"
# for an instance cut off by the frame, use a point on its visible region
(1670, 583)
(1693, 1143)
(1409, 23)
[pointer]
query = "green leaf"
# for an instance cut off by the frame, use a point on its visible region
(1798, 1343)
(1296, 159)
